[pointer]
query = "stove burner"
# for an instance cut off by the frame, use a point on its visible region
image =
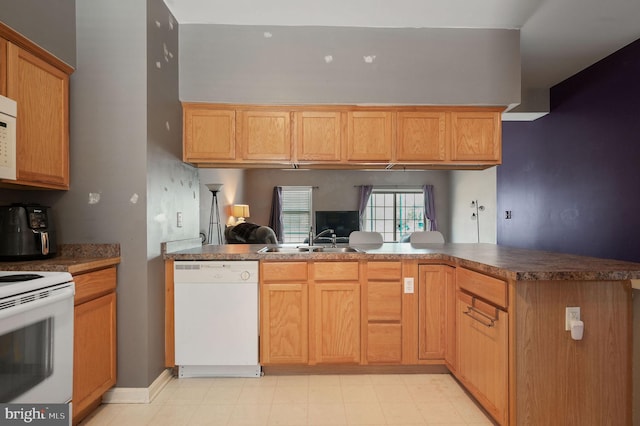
(18, 277)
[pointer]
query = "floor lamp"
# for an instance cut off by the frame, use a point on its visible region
(214, 217)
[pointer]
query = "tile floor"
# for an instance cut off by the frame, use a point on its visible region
(389, 399)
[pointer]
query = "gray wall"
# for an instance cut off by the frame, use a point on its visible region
(50, 24)
(108, 157)
(125, 146)
(172, 186)
(251, 64)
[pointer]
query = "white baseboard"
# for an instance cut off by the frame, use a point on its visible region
(137, 395)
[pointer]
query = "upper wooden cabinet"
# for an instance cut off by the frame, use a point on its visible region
(265, 135)
(41, 91)
(476, 136)
(209, 134)
(342, 136)
(318, 135)
(369, 136)
(3, 67)
(422, 136)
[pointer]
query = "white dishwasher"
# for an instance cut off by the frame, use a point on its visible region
(216, 318)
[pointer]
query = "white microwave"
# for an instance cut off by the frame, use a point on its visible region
(8, 113)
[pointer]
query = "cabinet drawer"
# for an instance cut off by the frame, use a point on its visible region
(93, 284)
(483, 286)
(335, 271)
(384, 270)
(284, 271)
(384, 343)
(384, 301)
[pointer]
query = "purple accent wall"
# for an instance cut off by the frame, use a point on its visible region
(572, 178)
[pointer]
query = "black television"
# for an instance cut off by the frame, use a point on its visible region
(343, 222)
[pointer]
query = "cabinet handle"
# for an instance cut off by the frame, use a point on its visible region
(473, 310)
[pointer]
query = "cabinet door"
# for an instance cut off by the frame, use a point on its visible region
(422, 137)
(476, 136)
(265, 135)
(209, 134)
(318, 136)
(336, 331)
(369, 136)
(3, 67)
(42, 94)
(482, 353)
(284, 324)
(94, 350)
(432, 310)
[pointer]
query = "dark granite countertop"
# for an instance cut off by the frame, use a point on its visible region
(500, 261)
(72, 258)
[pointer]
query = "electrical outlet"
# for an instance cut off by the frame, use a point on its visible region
(179, 220)
(571, 314)
(408, 285)
(507, 214)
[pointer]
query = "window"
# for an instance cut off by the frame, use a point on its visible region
(395, 213)
(296, 213)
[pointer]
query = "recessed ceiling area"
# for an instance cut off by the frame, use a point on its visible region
(558, 38)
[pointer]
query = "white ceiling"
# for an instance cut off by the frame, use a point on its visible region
(558, 37)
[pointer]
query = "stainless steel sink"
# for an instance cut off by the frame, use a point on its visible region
(308, 249)
(339, 250)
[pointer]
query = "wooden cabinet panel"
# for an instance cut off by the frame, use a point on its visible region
(383, 315)
(422, 136)
(384, 301)
(369, 136)
(476, 136)
(265, 135)
(284, 324)
(335, 271)
(432, 310)
(3, 67)
(482, 354)
(336, 326)
(94, 351)
(488, 288)
(318, 136)
(94, 284)
(42, 94)
(384, 343)
(284, 271)
(209, 134)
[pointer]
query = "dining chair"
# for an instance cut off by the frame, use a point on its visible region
(422, 237)
(365, 237)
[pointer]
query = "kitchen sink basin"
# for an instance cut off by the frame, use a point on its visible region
(308, 249)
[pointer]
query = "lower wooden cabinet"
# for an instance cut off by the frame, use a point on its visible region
(432, 310)
(482, 352)
(384, 313)
(94, 346)
(284, 313)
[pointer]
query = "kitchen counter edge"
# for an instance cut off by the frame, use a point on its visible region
(499, 261)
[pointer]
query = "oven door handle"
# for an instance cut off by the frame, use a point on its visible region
(60, 295)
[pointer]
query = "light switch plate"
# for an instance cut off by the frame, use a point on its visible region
(408, 285)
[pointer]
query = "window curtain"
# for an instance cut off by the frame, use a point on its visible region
(275, 218)
(430, 221)
(365, 193)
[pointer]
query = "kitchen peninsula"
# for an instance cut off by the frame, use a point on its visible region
(493, 316)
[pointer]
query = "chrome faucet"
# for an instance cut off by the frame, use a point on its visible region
(313, 239)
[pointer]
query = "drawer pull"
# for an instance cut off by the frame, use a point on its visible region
(490, 321)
